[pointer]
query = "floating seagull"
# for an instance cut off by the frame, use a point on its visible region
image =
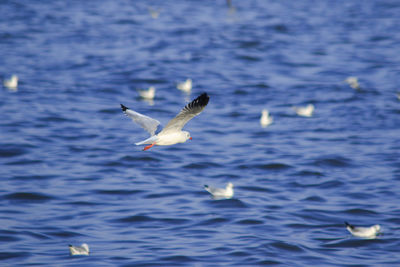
(185, 86)
(306, 111)
(82, 250)
(154, 13)
(172, 132)
(11, 83)
(148, 94)
(365, 232)
(353, 82)
(220, 193)
(266, 119)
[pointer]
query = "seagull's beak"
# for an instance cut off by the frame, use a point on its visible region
(190, 138)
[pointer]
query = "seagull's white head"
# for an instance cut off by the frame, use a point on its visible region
(377, 227)
(187, 135)
(86, 247)
(229, 185)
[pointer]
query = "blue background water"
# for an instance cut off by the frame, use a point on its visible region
(70, 172)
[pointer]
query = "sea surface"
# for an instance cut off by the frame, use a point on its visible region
(70, 172)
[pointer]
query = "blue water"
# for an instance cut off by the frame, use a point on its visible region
(70, 172)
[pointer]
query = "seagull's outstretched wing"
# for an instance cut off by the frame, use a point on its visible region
(145, 122)
(191, 110)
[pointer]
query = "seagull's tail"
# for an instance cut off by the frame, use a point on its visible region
(349, 225)
(123, 107)
(206, 187)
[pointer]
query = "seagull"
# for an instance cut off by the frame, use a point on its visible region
(220, 193)
(172, 132)
(306, 111)
(154, 13)
(353, 82)
(266, 119)
(148, 94)
(365, 232)
(185, 86)
(82, 250)
(11, 83)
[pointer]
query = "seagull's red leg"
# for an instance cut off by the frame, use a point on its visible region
(149, 146)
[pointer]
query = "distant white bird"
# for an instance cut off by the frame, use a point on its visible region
(365, 232)
(148, 94)
(220, 193)
(266, 119)
(353, 82)
(185, 86)
(154, 13)
(82, 250)
(172, 132)
(11, 83)
(306, 111)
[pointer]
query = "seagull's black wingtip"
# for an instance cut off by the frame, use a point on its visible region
(203, 99)
(124, 108)
(205, 186)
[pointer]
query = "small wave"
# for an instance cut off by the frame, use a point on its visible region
(10, 255)
(28, 196)
(308, 173)
(146, 219)
(269, 166)
(249, 222)
(360, 212)
(201, 165)
(145, 158)
(7, 151)
(351, 243)
(333, 161)
(314, 199)
(213, 221)
(228, 203)
(24, 162)
(117, 192)
(176, 259)
(286, 247)
(256, 189)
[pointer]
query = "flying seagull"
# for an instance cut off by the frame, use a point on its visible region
(172, 132)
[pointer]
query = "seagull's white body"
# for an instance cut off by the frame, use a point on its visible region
(172, 132)
(82, 250)
(306, 111)
(220, 193)
(353, 82)
(266, 119)
(11, 83)
(148, 94)
(185, 86)
(364, 232)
